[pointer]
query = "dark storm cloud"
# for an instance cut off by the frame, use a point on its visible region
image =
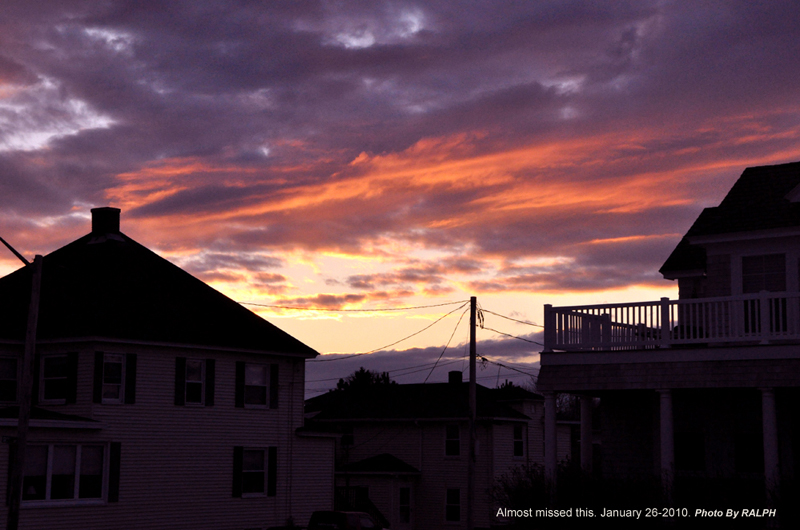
(243, 113)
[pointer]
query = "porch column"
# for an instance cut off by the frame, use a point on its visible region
(586, 434)
(667, 443)
(550, 441)
(772, 471)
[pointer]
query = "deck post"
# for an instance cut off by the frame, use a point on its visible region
(665, 323)
(667, 444)
(549, 328)
(586, 434)
(765, 309)
(550, 441)
(772, 472)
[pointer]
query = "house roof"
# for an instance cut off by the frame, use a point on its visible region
(105, 285)
(760, 200)
(382, 463)
(415, 401)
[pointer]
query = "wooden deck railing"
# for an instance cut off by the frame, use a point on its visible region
(761, 317)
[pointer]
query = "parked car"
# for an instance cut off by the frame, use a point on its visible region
(328, 520)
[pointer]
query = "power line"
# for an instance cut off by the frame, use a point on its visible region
(512, 336)
(414, 368)
(535, 376)
(352, 310)
(512, 319)
(446, 345)
(396, 342)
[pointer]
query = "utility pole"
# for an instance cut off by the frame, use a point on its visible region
(18, 446)
(472, 414)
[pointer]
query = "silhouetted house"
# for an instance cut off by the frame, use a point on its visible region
(158, 401)
(704, 387)
(403, 449)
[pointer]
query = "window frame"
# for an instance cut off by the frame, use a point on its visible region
(43, 380)
(15, 381)
(76, 499)
(404, 505)
(449, 506)
(519, 441)
(266, 386)
(450, 442)
(121, 399)
(187, 382)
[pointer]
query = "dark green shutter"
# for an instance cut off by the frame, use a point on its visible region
(238, 459)
(97, 386)
(180, 380)
(273, 386)
(239, 392)
(130, 378)
(114, 462)
(210, 377)
(272, 471)
(71, 395)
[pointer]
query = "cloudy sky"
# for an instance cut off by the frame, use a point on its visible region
(390, 154)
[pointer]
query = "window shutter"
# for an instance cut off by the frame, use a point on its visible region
(130, 378)
(239, 397)
(180, 380)
(12, 457)
(272, 471)
(114, 462)
(97, 387)
(37, 365)
(238, 456)
(273, 386)
(210, 375)
(72, 378)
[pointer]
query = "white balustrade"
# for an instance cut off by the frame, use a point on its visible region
(760, 318)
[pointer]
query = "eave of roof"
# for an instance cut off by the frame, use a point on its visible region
(113, 288)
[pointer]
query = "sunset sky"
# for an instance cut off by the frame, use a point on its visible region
(363, 155)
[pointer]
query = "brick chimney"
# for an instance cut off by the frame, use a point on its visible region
(454, 377)
(105, 220)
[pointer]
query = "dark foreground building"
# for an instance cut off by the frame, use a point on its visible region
(700, 393)
(157, 401)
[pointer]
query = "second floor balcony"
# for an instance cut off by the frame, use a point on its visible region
(762, 318)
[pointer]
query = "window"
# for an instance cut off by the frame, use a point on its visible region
(114, 378)
(57, 378)
(194, 381)
(256, 385)
(62, 472)
(8, 379)
(54, 378)
(253, 466)
(254, 471)
(452, 442)
(764, 273)
(519, 441)
(452, 506)
(405, 505)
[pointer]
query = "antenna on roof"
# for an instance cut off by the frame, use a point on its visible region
(17, 254)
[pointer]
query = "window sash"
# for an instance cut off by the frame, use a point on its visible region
(195, 382)
(256, 384)
(452, 507)
(54, 378)
(113, 378)
(452, 442)
(254, 471)
(65, 472)
(8, 379)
